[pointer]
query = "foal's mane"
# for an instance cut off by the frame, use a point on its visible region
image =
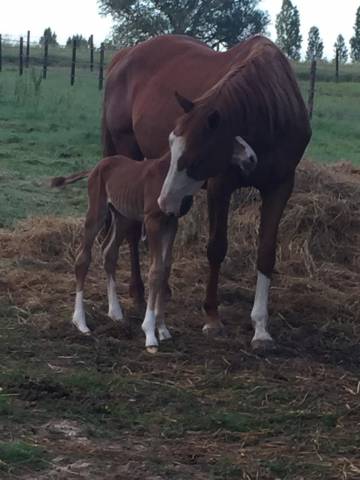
(258, 92)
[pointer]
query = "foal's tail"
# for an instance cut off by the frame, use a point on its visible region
(75, 177)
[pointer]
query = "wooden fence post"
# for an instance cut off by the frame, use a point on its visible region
(312, 88)
(73, 62)
(0, 52)
(101, 66)
(21, 56)
(27, 57)
(46, 52)
(337, 65)
(91, 53)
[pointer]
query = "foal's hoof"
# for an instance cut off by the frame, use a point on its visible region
(84, 330)
(214, 330)
(263, 346)
(152, 350)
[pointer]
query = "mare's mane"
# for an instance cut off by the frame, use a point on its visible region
(257, 96)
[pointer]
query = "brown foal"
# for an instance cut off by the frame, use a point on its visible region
(121, 188)
(122, 193)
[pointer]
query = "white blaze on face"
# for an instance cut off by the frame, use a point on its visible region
(177, 184)
(244, 156)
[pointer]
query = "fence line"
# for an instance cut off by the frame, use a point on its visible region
(312, 88)
(46, 55)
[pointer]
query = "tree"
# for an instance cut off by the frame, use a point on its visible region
(355, 40)
(217, 22)
(288, 30)
(315, 45)
(80, 41)
(340, 46)
(50, 36)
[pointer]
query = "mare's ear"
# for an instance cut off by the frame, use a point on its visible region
(214, 120)
(186, 104)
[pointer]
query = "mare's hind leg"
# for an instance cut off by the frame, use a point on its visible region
(93, 224)
(273, 203)
(110, 249)
(219, 192)
(136, 288)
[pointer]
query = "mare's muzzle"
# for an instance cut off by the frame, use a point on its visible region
(185, 206)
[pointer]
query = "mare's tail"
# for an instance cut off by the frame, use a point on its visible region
(75, 177)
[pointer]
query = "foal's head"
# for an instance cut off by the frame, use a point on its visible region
(202, 146)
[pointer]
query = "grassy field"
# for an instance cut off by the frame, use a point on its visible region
(100, 407)
(49, 128)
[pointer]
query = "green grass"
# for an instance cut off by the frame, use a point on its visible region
(18, 455)
(48, 128)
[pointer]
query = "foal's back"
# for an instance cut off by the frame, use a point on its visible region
(133, 187)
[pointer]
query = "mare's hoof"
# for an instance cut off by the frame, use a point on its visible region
(214, 330)
(263, 346)
(152, 350)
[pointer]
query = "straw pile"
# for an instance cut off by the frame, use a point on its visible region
(318, 256)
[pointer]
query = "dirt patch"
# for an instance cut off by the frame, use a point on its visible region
(202, 408)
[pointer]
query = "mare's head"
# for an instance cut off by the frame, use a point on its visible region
(202, 146)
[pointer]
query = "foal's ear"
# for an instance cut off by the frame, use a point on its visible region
(214, 120)
(186, 104)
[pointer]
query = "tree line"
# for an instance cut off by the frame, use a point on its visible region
(220, 23)
(51, 38)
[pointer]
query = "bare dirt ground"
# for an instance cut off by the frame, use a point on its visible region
(101, 407)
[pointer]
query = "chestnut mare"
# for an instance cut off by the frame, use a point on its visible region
(123, 192)
(250, 91)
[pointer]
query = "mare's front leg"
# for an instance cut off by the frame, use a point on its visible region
(274, 200)
(219, 192)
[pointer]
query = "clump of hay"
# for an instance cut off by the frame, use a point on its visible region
(46, 239)
(318, 260)
(318, 256)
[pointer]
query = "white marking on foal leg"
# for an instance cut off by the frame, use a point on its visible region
(148, 327)
(259, 313)
(79, 314)
(115, 311)
(162, 329)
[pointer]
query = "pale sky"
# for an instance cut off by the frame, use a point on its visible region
(67, 17)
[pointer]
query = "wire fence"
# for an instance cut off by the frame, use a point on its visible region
(79, 57)
(22, 53)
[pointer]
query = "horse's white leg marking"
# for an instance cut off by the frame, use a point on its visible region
(259, 313)
(166, 253)
(162, 329)
(115, 311)
(79, 313)
(148, 327)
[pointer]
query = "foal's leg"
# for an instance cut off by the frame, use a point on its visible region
(94, 222)
(219, 192)
(110, 249)
(168, 237)
(273, 203)
(155, 283)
